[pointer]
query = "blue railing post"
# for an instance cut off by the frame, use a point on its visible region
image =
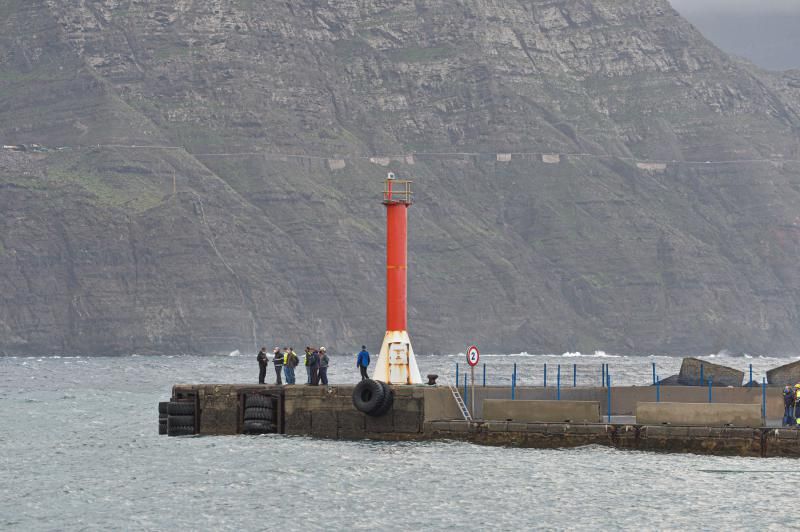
(466, 391)
(484, 374)
(574, 375)
(545, 374)
(608, 399)
(558, 382)
(514, 382)
(658, 390)
(457, 381)
(750, 382)
(602, 375)
(702, 380)
(764, 399)
(709, 391)
(654, 372)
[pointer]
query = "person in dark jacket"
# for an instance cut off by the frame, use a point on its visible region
(278, 361)
(306, 360)
(262, 364)
(788, 406)
(362, 362)
(324, 361)
(313, 363)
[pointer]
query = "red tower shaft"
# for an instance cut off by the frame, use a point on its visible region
(396, 266)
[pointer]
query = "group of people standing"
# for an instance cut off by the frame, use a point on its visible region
(791, 405)
(315, 360)
(286, 360)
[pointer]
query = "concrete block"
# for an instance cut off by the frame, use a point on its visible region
(719, 375)
(536, 428)
(324, 424)
(407, 422)
(458, 426)
(740, 433)
(496, 426)
(663, 432)
(699, 414)
(380, 424)
(542, 411)
(408, 404)
(592, 429)
(352, 421)
(440, 404)
(403, 391)
(786, 434)
(299, 423)
(786, 375)
(699, 432)
(517, 427)
(436, 426)
(558, 428)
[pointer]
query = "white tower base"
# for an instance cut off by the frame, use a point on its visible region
(396, 363)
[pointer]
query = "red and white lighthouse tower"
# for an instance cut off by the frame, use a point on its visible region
(396, 362)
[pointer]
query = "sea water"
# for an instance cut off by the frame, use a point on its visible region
(79, 450)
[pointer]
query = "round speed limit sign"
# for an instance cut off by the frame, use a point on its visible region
(473, 356)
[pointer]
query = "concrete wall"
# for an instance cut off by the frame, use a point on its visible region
(440, 404)
(328, 412)
(542, 411)
(219, 407)
(699, 414)
(723, 441)
(623, 399)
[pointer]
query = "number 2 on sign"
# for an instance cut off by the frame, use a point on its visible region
(473, 356)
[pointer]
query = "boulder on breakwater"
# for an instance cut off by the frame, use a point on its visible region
(691, 374)
(785, 375)
(672, 380)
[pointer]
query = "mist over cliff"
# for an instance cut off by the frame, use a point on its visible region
(589, 174)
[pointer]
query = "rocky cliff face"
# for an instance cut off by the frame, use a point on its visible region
(218, 182)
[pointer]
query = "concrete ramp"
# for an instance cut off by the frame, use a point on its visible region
(542, 411)
(699, 414)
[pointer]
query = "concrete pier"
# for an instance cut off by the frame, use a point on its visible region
(430, 413)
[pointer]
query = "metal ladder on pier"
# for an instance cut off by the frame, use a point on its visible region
(459, 401)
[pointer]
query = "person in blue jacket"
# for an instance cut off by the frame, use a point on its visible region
(363, 362)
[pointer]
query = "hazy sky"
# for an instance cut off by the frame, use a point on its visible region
(767, 32)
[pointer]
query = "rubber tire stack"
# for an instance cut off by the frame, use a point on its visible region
(374, 398)
(162, 417)
(180, 418)
(259, 415)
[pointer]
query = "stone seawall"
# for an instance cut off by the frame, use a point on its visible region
(328, 412)
(720, 441)
(429, 413)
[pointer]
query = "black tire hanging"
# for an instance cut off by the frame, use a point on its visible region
(180, 421)
(162, 426)
(386, 404)
(258, 426)
(258, 412)
(180, 431)
(262, 401)
(182, 408)
(368, 396)
(162, 408)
